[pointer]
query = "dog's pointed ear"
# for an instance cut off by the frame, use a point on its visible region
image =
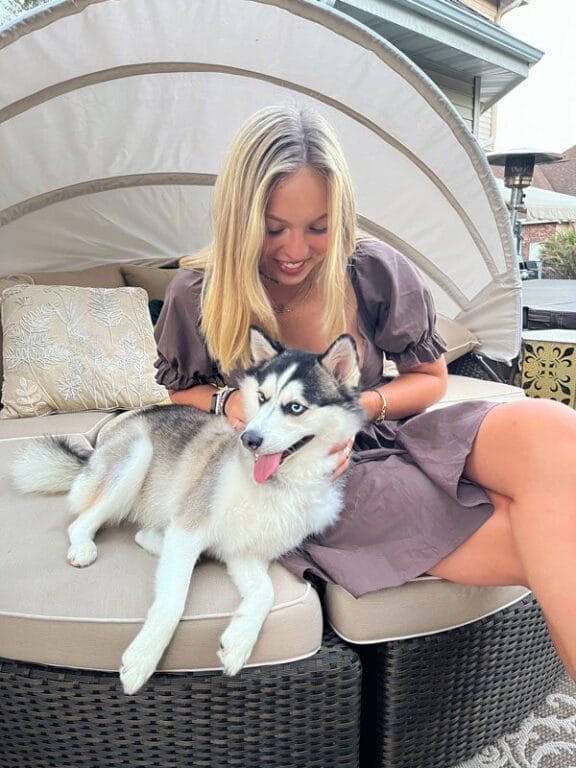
(262, 348)
(341, 359)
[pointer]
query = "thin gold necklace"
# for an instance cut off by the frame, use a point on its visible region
(281, 308)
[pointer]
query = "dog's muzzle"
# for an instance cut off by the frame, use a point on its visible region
(265, 465)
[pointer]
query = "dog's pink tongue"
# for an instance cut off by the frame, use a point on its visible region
(266, 465)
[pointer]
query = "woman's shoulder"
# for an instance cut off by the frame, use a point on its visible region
(186, 282)
(379, 267)
(377, 255)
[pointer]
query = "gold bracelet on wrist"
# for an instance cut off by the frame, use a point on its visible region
(382, 415)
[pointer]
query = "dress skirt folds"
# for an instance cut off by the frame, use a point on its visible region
(407, 505)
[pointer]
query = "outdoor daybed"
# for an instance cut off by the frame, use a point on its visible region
(114, 115)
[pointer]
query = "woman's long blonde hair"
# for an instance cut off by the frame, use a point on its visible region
(273, 143)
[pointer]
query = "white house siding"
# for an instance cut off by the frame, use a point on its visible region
(460, 93)
(486, 130)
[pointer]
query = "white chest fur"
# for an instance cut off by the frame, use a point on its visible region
(266, 520)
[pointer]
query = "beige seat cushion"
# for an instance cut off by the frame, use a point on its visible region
(51, 613)
(461, 388)
(84, 425)
(423, 606)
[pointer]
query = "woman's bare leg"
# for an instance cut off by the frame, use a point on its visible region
(525, 453)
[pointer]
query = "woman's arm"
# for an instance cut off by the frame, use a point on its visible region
(411, 392)
(201, 397)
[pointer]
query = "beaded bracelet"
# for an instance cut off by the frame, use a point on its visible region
(220, 398)
(226, 395)
(382, 415)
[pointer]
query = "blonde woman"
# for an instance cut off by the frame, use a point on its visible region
(477, 493)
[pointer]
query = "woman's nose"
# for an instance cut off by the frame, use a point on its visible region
(296, 246)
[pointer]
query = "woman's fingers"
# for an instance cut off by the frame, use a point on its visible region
(346, 446)
(344, 449)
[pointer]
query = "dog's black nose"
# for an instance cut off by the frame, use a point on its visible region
(252, 440)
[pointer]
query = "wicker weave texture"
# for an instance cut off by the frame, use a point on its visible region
(440, 699)
(287, 716)
(477, 367)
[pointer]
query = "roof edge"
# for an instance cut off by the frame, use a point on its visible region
(465, 22)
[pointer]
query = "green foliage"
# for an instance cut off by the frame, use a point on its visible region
(558, 256)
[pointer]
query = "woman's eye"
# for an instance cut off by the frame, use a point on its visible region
(274, 232)
(295, 408)
(318, 230)
(261, 398)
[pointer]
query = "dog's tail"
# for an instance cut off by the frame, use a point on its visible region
(49, 465)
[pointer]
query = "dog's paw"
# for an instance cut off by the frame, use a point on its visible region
(236, 646)
(81, 555)
(137, 667)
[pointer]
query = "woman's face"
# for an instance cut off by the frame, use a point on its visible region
(296, 227)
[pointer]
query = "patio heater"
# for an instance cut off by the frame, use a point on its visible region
(518, 171)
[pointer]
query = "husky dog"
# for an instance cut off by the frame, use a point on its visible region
(194, 485)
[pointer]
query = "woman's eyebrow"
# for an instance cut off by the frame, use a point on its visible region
(283, 221)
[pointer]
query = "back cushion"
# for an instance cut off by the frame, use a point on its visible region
(153, 279)
(458, 338)
(106, 276)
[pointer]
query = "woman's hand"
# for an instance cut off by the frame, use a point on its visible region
(344, 449)
(234, 411)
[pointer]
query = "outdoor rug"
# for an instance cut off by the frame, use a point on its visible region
(545, 739)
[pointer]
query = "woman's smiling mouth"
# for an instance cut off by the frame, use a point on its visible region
(291, 267)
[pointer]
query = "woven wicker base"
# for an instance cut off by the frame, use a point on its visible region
(478, 367)
(295, 715)
(434, 701)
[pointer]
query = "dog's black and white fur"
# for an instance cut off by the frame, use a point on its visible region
(194, 485)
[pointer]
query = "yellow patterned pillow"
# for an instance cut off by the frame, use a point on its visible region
(69, 349)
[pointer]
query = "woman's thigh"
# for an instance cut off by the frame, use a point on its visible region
(488, 557)
(516, 443)
(524, 448)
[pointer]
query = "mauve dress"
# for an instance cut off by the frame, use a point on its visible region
(406, 503)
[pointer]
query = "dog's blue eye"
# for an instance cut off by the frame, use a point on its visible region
(261, 398)
(295, 408)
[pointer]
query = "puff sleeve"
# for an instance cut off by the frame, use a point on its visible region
(183, 359)
(396, 305)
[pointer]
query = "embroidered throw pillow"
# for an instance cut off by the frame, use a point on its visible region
(69, 349)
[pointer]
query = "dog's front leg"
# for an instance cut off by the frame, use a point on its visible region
(180, 552)
(250, 575)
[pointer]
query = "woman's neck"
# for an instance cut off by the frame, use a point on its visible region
(286, 298)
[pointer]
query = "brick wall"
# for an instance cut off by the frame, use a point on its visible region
(537, 232)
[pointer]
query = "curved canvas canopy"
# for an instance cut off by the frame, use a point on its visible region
(543, 204)
(114, 117)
